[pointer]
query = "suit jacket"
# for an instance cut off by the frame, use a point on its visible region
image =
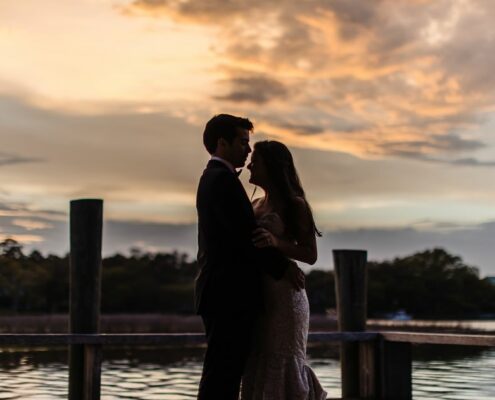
(229, 278)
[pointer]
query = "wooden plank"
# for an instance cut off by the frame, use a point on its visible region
(172, 339)
(342, 336)
(436, 338)
(29, 339)
(177, 338)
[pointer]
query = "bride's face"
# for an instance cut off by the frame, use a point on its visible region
(257, 167)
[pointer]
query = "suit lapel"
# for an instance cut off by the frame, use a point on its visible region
(241, 192)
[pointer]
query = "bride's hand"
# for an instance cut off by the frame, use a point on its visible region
(264, 238)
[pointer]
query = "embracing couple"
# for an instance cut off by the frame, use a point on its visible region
(249, 291)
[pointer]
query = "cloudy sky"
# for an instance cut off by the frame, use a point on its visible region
(387, 105)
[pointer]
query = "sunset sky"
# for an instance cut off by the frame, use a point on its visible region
(387, 105)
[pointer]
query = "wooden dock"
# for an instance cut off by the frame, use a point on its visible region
(374, 365)
(386, 355)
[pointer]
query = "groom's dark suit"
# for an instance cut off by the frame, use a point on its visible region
(228, 288)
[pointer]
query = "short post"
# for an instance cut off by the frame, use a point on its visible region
(395, 370)
(86, 221)
(351, 292)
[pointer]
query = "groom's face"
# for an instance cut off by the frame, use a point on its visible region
(239, 149)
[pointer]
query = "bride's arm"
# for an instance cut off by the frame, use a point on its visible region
(304, 247)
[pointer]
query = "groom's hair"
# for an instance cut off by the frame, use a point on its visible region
(223, 126)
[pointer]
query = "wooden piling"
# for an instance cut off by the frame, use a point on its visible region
(395, 371)
(351, 292)
(86, 221)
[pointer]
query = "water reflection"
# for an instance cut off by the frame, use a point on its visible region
(439, 372)
(453, 373)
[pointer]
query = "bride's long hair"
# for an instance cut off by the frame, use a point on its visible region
(283, 176)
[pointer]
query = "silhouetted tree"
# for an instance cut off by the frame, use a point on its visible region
(428, 284)
(320, 287)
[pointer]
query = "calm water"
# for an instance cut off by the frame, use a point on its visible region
(165, 374)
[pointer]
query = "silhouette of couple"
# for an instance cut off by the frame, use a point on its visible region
(249, 291)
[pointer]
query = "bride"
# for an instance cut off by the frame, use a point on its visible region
(277, 368)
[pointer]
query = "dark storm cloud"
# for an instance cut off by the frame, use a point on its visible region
(200, 9)
(449, 145)
(11, 159)
(300, 128)
(254, 89)
(473, 162)
(437, 144)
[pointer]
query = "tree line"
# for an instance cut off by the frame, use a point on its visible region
(429, 284)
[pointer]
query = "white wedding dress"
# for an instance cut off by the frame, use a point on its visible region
(277, 368)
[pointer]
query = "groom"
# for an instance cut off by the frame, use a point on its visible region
(228, 293)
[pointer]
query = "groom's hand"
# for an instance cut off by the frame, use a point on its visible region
(295, 276)
(264, 238)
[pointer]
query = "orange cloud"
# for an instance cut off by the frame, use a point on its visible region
(368, 74)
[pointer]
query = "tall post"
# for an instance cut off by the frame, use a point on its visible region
(86, 221)
(351, 292)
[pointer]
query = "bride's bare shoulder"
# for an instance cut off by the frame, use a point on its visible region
(256, 201)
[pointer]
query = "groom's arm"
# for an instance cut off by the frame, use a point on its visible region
(278, 267)
(271, 260)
